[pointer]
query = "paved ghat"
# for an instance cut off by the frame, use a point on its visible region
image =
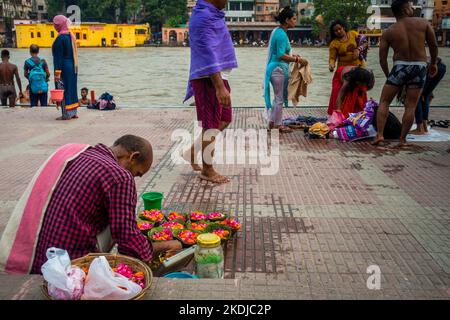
(309, 232)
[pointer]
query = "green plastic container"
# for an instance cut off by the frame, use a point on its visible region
(152, 200)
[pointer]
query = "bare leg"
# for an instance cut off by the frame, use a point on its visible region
(412, 98)
(387, 95)
(12, 102)
(425, 126)
(191, 155)
(208, 173)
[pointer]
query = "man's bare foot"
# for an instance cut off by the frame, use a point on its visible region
(417, 132)
(379, 142)
(404, 145)
(425, 126)
(214, 177)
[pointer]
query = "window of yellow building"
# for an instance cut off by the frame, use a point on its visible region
(38, 34)
(32, 35)
(52, 34)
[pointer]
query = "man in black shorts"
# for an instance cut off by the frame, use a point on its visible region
(407, 38)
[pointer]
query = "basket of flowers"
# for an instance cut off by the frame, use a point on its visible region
(175, 216)
(232, 223)
(187, 237)
(134, 269)
(197, 216)
(216, 216)
(145, 226)
(173, 225)
(198, 226)
(223, 231)
(160, 234)
(154, 216)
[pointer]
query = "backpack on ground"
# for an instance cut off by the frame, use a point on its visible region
(37, 77)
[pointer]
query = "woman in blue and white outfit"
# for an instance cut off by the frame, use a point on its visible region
(277, 72)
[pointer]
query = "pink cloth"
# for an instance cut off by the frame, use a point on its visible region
(62, 24)
(19, 240)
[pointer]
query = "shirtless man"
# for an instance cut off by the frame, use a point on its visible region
(407, 37)
(7, 88)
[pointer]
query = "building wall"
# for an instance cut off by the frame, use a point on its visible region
(174, 35)
(265, 10)
(240, 11)
(87, 35)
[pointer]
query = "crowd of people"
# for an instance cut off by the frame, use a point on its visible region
(103, 177)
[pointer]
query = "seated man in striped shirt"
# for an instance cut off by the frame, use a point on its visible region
(95, 191)
(91, 193)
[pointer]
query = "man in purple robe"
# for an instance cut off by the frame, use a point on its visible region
(212, 59)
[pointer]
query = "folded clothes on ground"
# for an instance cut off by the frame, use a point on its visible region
(305, 121)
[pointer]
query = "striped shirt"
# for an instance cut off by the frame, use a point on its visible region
(94, 191)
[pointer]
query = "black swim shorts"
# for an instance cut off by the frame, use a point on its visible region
(410, 74)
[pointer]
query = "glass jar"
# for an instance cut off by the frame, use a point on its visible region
(208, 256)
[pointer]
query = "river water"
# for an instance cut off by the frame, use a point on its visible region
(145, 77)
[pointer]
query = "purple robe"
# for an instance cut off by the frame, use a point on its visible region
(212, 49)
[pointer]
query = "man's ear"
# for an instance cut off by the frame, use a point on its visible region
(135, 155)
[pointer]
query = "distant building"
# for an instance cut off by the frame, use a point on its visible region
(190, 5)
(265, 10)
(86, 34)
(240, 11)
(441, 21)
(39, 12)
(10, 10)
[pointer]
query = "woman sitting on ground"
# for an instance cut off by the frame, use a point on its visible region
(352, 87)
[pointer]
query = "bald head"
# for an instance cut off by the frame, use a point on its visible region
(134, 154)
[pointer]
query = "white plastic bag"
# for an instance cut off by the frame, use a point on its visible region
(102, 283)
(64, 281)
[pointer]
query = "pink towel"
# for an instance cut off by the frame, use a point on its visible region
(19, 240)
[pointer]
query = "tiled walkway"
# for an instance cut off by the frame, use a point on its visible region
(310, 231)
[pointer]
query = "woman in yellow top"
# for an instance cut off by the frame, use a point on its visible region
(343, 50)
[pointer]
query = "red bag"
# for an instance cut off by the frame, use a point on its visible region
(336, 120)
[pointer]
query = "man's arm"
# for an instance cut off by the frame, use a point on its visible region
(120, 203)
(47, 71)
(384, 51)
(222, 93)
(19, 83)
(433, 47)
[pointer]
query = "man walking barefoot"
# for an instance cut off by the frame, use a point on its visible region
(212, 59)
(407, 38)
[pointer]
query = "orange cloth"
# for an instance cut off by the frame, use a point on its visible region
(354, 101)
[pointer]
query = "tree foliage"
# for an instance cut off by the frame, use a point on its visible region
(354, 12)
(155, 12)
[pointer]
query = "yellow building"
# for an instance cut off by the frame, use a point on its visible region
(87, 35)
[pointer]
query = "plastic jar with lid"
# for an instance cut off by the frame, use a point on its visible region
(209, 258)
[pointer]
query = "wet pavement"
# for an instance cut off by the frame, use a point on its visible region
(311, 231)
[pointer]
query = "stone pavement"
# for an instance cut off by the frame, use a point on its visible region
(309, 232)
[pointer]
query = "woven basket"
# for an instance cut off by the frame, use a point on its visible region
(114, 260)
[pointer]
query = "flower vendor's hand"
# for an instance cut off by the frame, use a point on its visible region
(173, 245)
